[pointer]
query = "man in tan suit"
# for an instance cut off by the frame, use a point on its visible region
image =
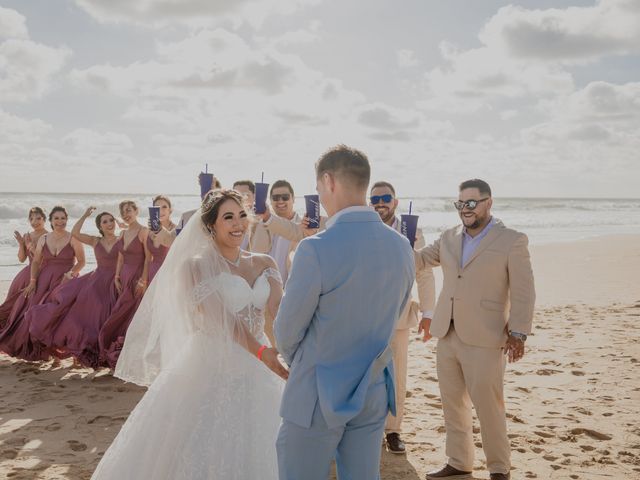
(265, 235)
(484, 311)
(383, 199)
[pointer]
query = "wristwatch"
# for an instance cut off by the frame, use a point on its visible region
(521, 336)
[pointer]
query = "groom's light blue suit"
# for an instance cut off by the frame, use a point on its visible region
(346, 289)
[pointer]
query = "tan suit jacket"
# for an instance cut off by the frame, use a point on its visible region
(492, 294)
(426, 286)
(262, 234)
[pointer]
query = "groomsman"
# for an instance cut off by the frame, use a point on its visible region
(248, 191)
(484, 312)
(278, 235)
(184, 218)
(383, 199)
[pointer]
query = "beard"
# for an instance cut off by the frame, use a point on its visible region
(477, 221)
(385, 213)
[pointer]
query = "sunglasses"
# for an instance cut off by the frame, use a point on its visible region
(376, 199)
(470, 204)
(284, 197)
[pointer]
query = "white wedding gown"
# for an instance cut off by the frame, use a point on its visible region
(198, 421)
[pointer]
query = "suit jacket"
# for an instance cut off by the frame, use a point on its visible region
(491, 295)
(347, 287)
(262, 234)
(426, 284)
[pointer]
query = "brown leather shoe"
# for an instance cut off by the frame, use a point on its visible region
(395, 444)
(499, 476)
(448, 472)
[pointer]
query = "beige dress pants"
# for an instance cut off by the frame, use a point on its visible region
(473, 375)
(400, 348)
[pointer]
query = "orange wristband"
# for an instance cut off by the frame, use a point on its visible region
(260, 351)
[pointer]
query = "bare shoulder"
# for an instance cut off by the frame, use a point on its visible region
(261, 260)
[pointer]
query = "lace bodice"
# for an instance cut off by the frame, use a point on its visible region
(241, 299)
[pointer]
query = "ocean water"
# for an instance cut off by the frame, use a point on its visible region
(544, 220)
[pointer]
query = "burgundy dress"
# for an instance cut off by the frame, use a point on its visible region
(69, 322)
(14, 336)
(159, 254)
(111, 337)
(18, 284)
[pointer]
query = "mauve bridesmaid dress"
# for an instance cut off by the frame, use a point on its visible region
(112, 333)
(14, 336)
(69, 322)
(18, 284)
(159, 254)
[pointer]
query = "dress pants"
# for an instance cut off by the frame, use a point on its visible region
(469, 375)
(307, 453)
(400, 348)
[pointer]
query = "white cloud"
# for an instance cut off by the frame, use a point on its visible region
(192, 13)
(28, 68)
(473, 77)
(599, 113)
(12, 24)
(406, 58)
(525, 54)
(89, 142)
(14, 129)
(387, 123)
(574, 34)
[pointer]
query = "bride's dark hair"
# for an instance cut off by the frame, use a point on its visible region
(213, 200)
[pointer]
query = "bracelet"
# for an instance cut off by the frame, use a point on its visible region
(261, 351)
(142, 283)
(34, 280)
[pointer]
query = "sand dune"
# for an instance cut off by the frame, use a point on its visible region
(573, 402)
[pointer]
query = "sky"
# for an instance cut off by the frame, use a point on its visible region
(540, 98)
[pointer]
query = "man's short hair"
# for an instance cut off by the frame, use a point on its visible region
(383, 184)
(280, 184)
(347, 164)
(246, 183)
(481, 185)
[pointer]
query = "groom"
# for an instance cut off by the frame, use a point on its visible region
(346, 289)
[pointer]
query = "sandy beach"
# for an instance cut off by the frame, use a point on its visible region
(573, 402)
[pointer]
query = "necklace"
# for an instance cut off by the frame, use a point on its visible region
(235, 263)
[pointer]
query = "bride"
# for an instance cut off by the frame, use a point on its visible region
(198, 342)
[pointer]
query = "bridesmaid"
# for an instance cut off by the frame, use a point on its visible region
(26, 248)
(69, 323)
(159, 242)
(131, 280)
(58, 258)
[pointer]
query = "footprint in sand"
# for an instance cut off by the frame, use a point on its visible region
(544, 434)
(8, 454)
(54, 427)
(76, 446)
(547, 371)
(591, 433)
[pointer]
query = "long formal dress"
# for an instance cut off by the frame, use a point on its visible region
(159, 253)
(69, 322)
(198, 422)
(114, 329)
(18, 284)
(15, 339)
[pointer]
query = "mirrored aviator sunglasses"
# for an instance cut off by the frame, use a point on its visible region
(470, 204)
(376, 199)
(284, 197)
